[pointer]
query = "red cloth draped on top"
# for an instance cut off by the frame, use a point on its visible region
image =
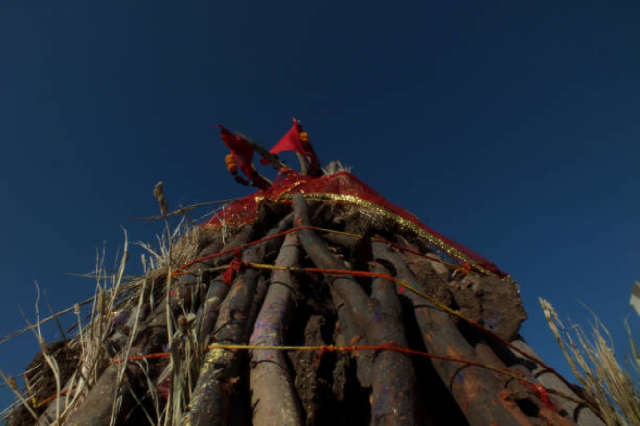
(244, 210)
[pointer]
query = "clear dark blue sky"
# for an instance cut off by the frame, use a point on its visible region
(511, 127)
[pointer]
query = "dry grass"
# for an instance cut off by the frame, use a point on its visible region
(335, 167)
(115, 292)
(593, 361)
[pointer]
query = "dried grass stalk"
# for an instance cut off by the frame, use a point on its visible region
(594, 363)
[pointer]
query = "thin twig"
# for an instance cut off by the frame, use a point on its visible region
(51, 361)
(273, 159)
(11, 383)
(183, 210)
(15, 334)
(60, 329)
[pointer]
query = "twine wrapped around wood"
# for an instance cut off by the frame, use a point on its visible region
(383, 342)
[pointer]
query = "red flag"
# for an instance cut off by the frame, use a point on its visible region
(289, 142)
(241, 150)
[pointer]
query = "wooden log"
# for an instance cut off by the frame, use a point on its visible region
(243, 237)
(241, 409)
(350, 301)
(98, 407)
(210, 401)
(349, 333)
(217, 291)
(212, 397)
(107, 391)
(257, 301)
(352, 294)
(341, 240)
(271, 158)
(273, 394)
(475, 390)
(393, 398)
(208, 314)
(273, 245)
(516, 394)
(210, 242)
(581, 414)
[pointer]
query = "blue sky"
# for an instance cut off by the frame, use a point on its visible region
(511, 127)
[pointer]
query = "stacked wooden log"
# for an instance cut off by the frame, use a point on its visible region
(206, 349)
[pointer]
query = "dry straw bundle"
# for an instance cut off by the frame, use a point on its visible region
(593, 361)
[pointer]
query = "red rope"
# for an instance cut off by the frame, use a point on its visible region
(391, 346)
(541, 391)
(51, 398)
(181, 270)
(141, 357)
(235, 265)
(543, 395)
(369, 274)
(472, 323)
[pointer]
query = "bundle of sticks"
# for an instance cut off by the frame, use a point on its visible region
(317, 328)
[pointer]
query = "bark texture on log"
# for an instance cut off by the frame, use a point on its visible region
(211, 400)
(98, 407)
(518, 397)
(474, 389)
(210, 309)
(273, 395)
(581, 414)
(393, 401)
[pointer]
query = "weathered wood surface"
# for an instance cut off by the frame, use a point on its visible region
(582, 415)
(517, 394)
(474, 389)
(273, 394)
(211, 400)
(393, 401)
(106, 399)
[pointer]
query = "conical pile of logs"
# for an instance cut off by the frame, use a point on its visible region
(292, 305)
(314, 313)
